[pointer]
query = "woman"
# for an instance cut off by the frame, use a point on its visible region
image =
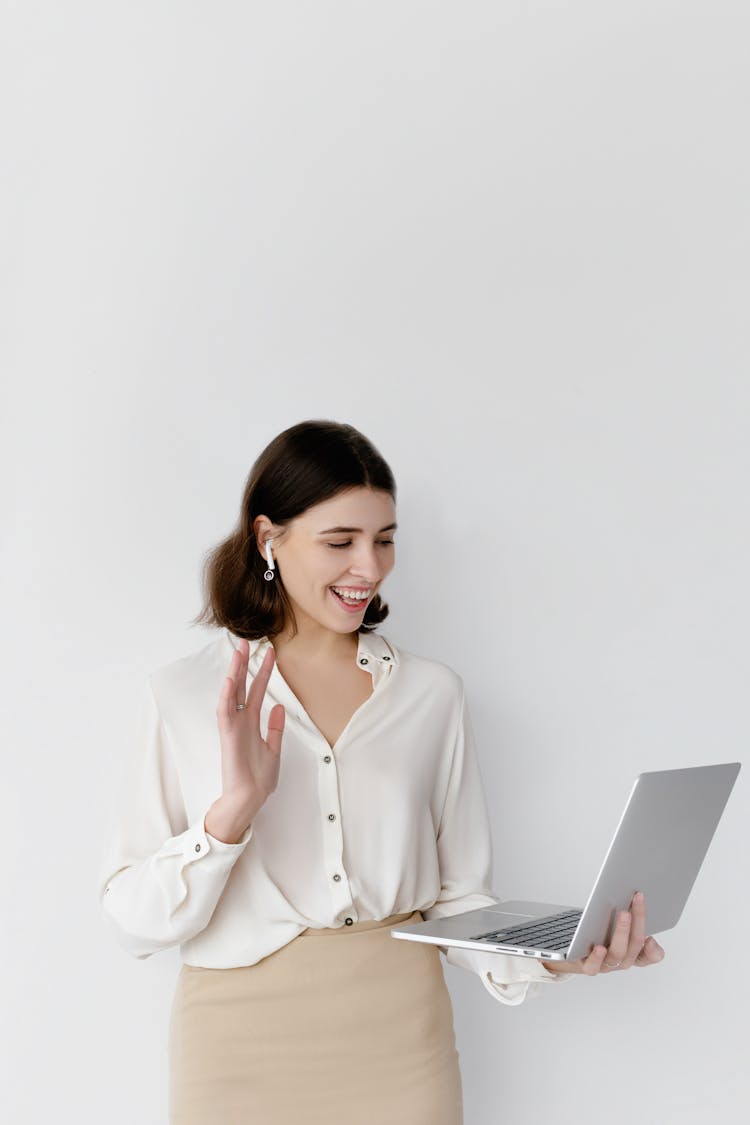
(362, 807)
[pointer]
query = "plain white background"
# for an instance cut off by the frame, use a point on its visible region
(509, 242)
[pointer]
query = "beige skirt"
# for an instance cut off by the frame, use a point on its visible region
(339, 1025)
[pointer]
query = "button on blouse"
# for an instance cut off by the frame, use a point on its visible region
(389, 820)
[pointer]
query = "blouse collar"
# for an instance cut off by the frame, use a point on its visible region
(370, 647)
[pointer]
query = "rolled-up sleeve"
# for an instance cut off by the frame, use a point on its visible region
(464, 843)
(160, 878)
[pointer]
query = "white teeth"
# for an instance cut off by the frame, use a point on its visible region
(350, 596)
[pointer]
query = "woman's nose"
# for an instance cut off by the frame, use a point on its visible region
(367, 565)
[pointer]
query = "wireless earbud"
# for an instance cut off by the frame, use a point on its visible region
(271, 564)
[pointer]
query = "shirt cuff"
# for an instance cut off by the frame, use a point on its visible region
(507, 978)
(224, 846)
(195, 842)
(520, 987)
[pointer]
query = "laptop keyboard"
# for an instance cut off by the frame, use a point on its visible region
(553, 933)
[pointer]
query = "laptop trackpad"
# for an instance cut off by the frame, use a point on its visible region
(517, 913)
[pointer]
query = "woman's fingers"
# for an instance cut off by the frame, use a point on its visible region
(592, 964)
(627, 947)
(637, 930)
(240, 673)
(651, 953)
(234, 688)
(618, 946)
(231, 688)
(637, 948)
(256, 694)
(260, 683)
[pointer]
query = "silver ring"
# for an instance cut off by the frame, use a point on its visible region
(239, 706)
(616, 965)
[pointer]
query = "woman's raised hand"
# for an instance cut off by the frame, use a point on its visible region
(249, 763)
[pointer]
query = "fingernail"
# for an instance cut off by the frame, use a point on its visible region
(638, 897)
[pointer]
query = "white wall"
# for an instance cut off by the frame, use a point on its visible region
(510, 243)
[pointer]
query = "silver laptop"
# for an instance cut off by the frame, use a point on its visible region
(658, 847)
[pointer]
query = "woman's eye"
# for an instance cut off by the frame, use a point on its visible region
(384, 543)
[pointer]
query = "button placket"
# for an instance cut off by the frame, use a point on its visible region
(333, 840)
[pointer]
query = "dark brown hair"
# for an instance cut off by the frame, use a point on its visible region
(303, 466)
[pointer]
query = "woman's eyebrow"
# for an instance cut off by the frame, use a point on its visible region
(333, 530)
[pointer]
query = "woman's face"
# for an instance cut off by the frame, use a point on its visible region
(312, 557)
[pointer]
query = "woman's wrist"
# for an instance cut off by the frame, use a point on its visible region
(226, 822)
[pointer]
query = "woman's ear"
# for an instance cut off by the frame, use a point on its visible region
(263, 529)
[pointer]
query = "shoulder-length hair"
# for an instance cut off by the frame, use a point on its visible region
(303, 466)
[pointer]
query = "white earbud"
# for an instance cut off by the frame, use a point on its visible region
(271, 564)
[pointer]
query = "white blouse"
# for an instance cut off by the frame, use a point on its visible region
(390, 820)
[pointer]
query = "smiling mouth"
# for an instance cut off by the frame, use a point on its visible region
(354, 603)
